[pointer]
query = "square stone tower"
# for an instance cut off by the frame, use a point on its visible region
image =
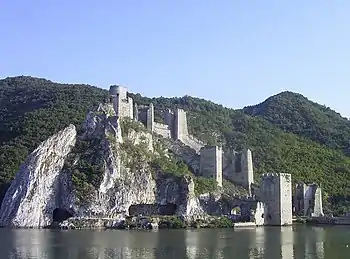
(150, 117)
(247, 169)
(180, 125)
(211, 163)
(276, 194)
(122, 104)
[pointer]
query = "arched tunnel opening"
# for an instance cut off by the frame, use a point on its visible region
(59, 215)
(240, 213)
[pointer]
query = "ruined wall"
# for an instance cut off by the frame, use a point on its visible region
(299, 195)
(308, 200)
(238, 167)
(136, 112)
(318, 206)
(175, 126)
(142, 116)
(162, 130)
(169, 119)
(180, 127)
(269, 190)
(180, 130)
(247, 169)
(286, 198)
(146, 116)
(211, 163)
(150, 118)
(276, 193)
(131, 107)
(193, 142)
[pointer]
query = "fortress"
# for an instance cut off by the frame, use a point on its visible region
(214, 162)
(273, 196)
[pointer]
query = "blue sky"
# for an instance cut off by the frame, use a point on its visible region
(236, 52)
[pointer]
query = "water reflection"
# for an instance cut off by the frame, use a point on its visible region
(274, 242)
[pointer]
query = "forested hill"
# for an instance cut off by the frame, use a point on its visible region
(295, 113)
(287, 132)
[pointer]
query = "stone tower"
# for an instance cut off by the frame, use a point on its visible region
(308, 200)
(150, 117)
(238, 167)
(247, 169)
(180, 125)
(276, 194)
(122, 104)
(211, 163)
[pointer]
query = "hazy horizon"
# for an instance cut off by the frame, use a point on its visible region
(234, 53)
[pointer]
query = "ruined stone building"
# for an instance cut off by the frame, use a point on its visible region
(237, 167)
(308, 200)
(276, 194)
(214, 162)
(122, 104)
(211, 163)
(175, 126)
(272, 200)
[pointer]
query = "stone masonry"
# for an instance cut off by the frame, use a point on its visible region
(211, 163)
(175, 126)
(238, 167)
(122, 104)
(276, 193)
(308, 200)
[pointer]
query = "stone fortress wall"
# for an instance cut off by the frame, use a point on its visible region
(237, 167)
(210, 167)
(308, 200)
(175, 122)
(274, 194)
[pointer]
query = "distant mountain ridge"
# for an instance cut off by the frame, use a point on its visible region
(292, 112)
(287, 133)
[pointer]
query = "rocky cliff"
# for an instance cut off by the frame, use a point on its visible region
(106, 170)
(37, 189)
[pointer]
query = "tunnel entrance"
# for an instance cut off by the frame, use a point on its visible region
(59, 215)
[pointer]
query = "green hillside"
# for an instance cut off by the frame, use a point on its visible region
(294, 113)
(281, 132)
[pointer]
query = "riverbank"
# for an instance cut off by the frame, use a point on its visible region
(344, 220)
(156, 222)
(325, 220)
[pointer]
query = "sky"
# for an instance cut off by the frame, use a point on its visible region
(232, 52)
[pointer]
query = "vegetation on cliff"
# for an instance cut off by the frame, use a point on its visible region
(287, 133)
(86, 166)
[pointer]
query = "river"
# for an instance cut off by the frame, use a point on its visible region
(263, 242)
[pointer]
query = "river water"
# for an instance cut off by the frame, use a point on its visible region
(263, 242)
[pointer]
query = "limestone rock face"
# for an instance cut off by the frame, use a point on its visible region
(179, 191)
(37, 189)
(124, 177)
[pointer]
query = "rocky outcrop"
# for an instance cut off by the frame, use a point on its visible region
(99, 173)
(179, 191)
(39, 184)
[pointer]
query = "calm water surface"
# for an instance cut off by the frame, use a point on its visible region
(274, 242)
